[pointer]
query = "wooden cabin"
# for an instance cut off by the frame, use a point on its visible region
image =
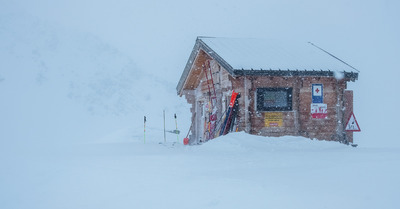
(285, 88)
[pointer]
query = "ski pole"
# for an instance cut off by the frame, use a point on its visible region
(144, 130)
(176, 124)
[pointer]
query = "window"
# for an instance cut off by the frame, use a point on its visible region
(274, 99)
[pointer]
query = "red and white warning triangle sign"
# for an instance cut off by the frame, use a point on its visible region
(352, 124)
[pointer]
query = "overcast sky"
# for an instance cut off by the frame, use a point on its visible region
(155, 29)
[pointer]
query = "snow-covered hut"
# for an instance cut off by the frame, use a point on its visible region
(285, 88)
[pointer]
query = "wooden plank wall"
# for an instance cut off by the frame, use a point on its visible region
(199, 96)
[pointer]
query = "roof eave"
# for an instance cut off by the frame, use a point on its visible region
(215, 56)
(200, 45)
(188, 66)
(352, 76)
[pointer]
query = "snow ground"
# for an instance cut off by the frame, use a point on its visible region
(234, 171)
(75, 83)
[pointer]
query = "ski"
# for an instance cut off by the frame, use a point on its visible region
(232, 112)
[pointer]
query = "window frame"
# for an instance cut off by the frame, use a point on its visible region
(260, 99)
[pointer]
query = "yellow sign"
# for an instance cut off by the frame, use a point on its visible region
(273, 119)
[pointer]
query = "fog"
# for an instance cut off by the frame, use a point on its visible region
(158, 37)
(77, 77)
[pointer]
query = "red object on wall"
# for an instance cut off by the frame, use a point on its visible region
(319, 111)
(233, 98)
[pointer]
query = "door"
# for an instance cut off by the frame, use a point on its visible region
(199, 121)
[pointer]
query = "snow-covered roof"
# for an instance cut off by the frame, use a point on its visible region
(257, 54)
(249, 56)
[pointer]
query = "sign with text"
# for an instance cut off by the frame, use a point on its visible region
(273, 119)
(317, 93)
(319, 111)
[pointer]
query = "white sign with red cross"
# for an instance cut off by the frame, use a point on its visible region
(317, 93)
(317, 90)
